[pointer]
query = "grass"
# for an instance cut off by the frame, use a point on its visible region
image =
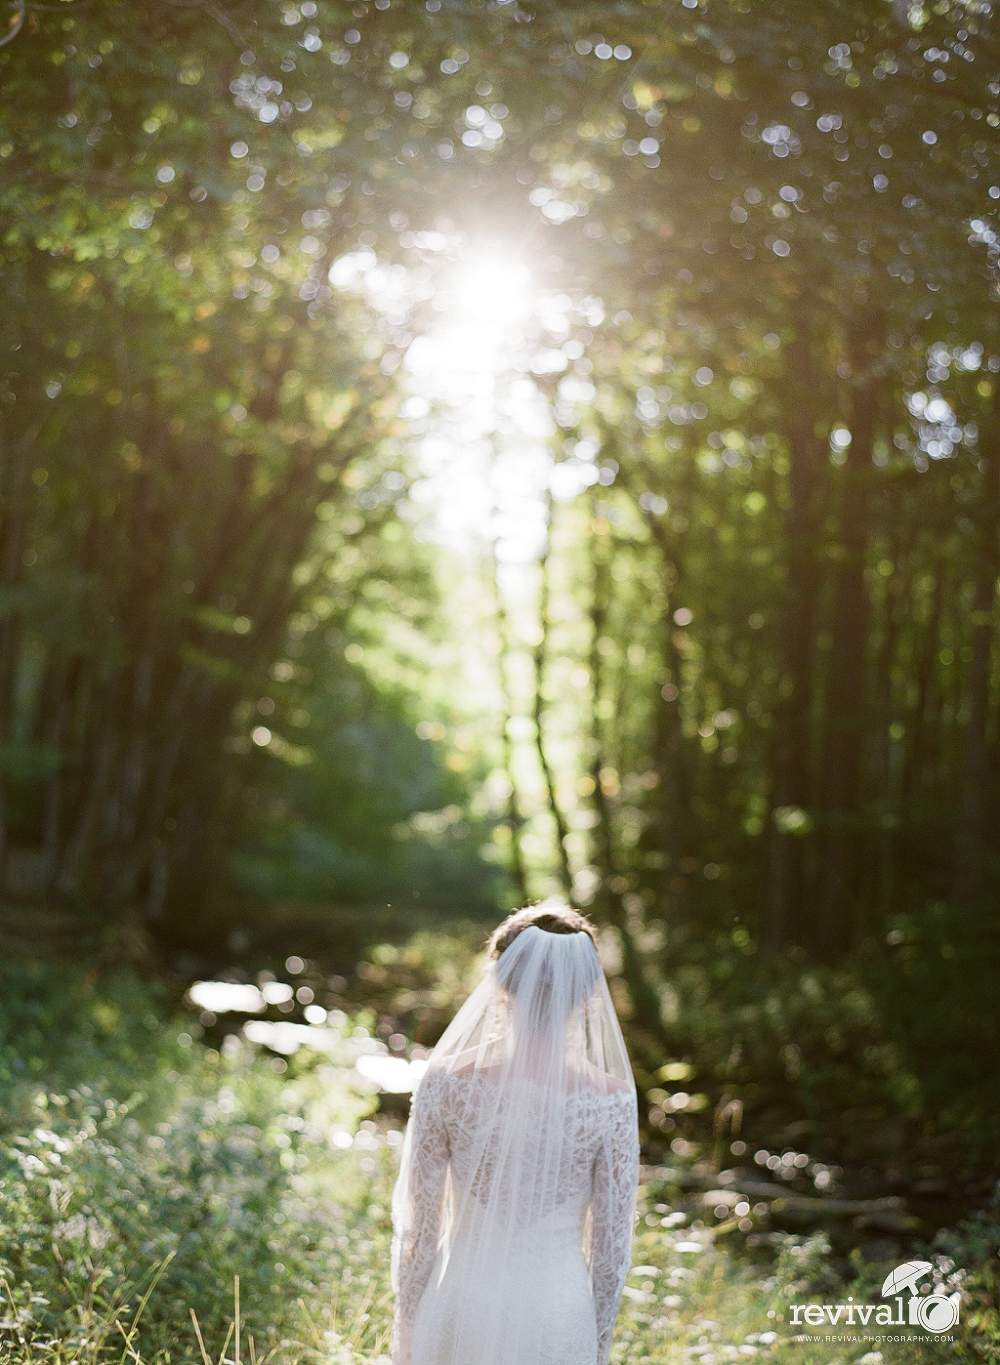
(181, 1206)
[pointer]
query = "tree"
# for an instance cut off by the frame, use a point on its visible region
(186, 413)
(815, 191)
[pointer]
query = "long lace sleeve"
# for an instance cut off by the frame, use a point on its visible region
(417, 1211)
(616, 1175)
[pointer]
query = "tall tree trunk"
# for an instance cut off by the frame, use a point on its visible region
(669, 832)
(610, 902)
(515, 817)
(886, 765)
(918, 745)
(539, 661)
(971, 834)
(845, 691)
(15, 521)
(792, 788)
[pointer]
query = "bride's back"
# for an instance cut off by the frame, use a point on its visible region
(518, 1140)
(513, 1209)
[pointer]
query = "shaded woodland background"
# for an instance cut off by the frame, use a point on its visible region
(759, 705)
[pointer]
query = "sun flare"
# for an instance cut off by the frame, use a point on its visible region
(483, 455)
(493, 292)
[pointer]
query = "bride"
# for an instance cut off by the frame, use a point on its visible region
(513, 1210)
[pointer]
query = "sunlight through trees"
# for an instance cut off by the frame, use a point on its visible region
(454, 453)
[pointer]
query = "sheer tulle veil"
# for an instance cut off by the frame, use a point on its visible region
(538, 1057)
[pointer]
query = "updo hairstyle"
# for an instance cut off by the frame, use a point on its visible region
(558, 919)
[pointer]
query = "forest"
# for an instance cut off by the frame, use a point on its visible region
(455, 454)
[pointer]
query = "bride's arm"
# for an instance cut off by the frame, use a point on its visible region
(417, 1207)
(616, 1175)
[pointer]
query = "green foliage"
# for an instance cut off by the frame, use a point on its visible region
(935, 995)
(758, 393)
(353, 807)
(806, 1054)
(194, 438)
(975, 1243)
(121, 1215)
(418, 984)
(746, 706)
(63, 1026)
(214, 1167)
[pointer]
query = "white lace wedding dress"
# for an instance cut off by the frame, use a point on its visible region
(514, 1211)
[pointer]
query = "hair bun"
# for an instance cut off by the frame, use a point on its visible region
(551, 919)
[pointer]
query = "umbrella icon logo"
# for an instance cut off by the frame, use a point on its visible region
(905, 1276)
(935, 1312)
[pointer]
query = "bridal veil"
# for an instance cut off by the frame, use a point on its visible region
(513, 1209)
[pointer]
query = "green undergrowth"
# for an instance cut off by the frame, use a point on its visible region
(155, 1192)
(124, 1216)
